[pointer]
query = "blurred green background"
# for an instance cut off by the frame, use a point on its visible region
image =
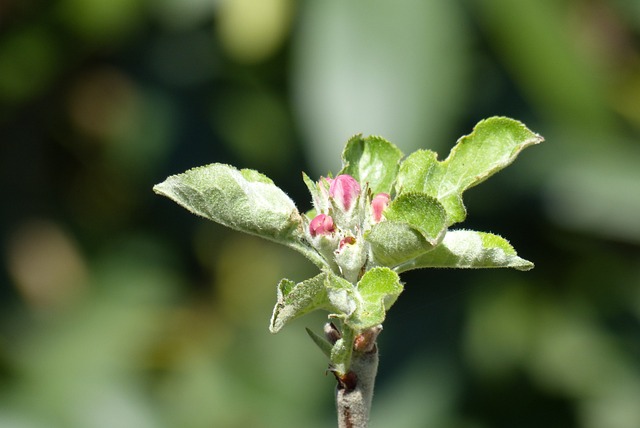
(120, 309)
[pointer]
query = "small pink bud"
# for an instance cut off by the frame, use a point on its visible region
(344, 189)
(321, 224)
(378, 204)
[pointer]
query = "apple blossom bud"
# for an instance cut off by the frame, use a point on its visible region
(344, 190)
(378, 204)
(321, 224)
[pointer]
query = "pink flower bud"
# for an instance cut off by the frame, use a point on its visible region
(321, 224)
(378, 204)
(344, 190)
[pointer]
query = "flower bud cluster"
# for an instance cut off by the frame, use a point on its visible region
(344, 211)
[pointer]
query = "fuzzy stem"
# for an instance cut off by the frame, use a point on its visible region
(355, 390)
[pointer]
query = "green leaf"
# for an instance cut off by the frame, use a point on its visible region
(314, 191)
(378, 289)
(371, 160)
(342, 294)
(363, 306)
(342, 351)
(394, 243)
(320, 341)
(415, 170)
(493, 144)
(295, 300)
(469, 249)
(420, 211)
(244, 200)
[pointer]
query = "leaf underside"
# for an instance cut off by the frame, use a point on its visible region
(467, 249)
(244, 200)
(295, 300)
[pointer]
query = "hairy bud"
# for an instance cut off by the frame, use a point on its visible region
(378, 204)
(344, 190)
(321, 224)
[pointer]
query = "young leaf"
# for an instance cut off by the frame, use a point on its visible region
(493, 144)
(320, 341)
(394, 243)
(342, 351)
(316, 197)
(378, 289)
(371, 160)
(420, 211)
(469, 249)
(244, 200)
(295, 300)
(342, 295)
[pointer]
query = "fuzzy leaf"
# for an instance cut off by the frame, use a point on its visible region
(344, 300)
(342, 295)
(469, 249)
(342, 351)
(316, 197)
(421, 212)
(394, 243)
(244, 200)
(493, 144)
(295, 300)
(378, 289)
(371, 160)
